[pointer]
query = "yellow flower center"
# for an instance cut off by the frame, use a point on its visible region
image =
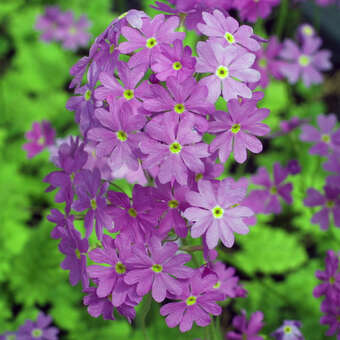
(191, 300)
(179, 108)
(177, 65)
(273, 190)
(94, 204)
(198, 177)
(151, 43)
(175, 147)
(121, 135)
(263, 62)
(217, 285)
(326, 138)
(132, 212)
(222, 72)
(217, 212)
(229, 37)
(287, 329)
(129, 94)
(235, 128)
(304, 60)
(173, 204)
(36, 333)
(330, 204)
(87, 95)
(120, 268)
(157, 268)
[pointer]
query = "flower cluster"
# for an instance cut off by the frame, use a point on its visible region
(56, 25)
(330, 289)
(30, 330)
(143, 113)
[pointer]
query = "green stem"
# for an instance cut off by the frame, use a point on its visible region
(214, 335)
(144, 312)
(282, 18)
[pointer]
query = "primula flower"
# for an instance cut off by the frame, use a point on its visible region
(181, 100)
(126, 90)
(97, 306)
(306, 62)
(216, 212)
(246, 329)
(290, 330)
(326, 138)
(293, 167)
(226, 31)
(330, 205)
(41, 136)
(110, 276)
(48, 23)
(333, 165)
(196, 304)
(119, 135)
(331, 308)
(158, 269)
(236, 130)
(176, 61)
(151, 36)
(175, 148)
(91, 197)
(38, 330)
(251, 10)
(136, 218)
(226, 64)
(289, 125)
(75, 248)
(267, 62)
(330, 277)
(268, 199)
(306, 31)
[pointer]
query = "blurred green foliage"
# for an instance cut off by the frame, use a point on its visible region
(277, 260)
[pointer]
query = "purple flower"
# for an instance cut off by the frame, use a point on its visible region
(226, 64)
(330, 277)
(128, 92)
(181, 100)
(110, 278)
(236, 130)
(175, 148)
(38, 330)
(293, 167)
(48, 23)
(197, 302)
(91, 197)
(136, 218)
(290, 330)
(157, 269)
(324, 138)
(227, 31)
(330, 205)
(306, 31)
(246, 329)
(267, 62)
(97, 306)
(306, 62)
(176, 61)
(41, 136)
(8, 336)
(252, 10)
(333, 165)
(291, 124)
(75, 250)
(151, 36)
(216, 212)
(268, 199)
(119, 135)
(331, 308)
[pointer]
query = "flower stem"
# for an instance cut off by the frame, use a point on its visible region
(146, 305)
(282, 18)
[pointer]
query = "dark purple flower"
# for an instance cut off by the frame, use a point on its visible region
(293, 167)
(41, 136)
(236, 130)
(267, 201)
(331, 308)
(246, 329)
(326, 138)
(333, 165)
(330, 203)
(291, 124)
(38, 330)
(290, 330)
(197, 302)
(157, 269)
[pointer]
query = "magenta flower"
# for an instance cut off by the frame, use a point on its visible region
(40, 329)
(289, 125)
(181, 100)
(216, 212)
(246, 329)
(267, 62)
(176, 61)
(251, 10)
(48, 23)
(236, 130)
(330, 287)
(227, 31)
(175, 148)
(110, 276)
(41, 136)
(126, 90)
(330, 206)
(306, 62)
(152, 35)
(75, 248)
(306, 31)
(331, 317)
(226, 64)
(326, 138)
(119, 135)
(267, 201)
(91, 197)
(158, 269)
(290, 330)
(333, 165)
(197, 302)
(136, 218)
